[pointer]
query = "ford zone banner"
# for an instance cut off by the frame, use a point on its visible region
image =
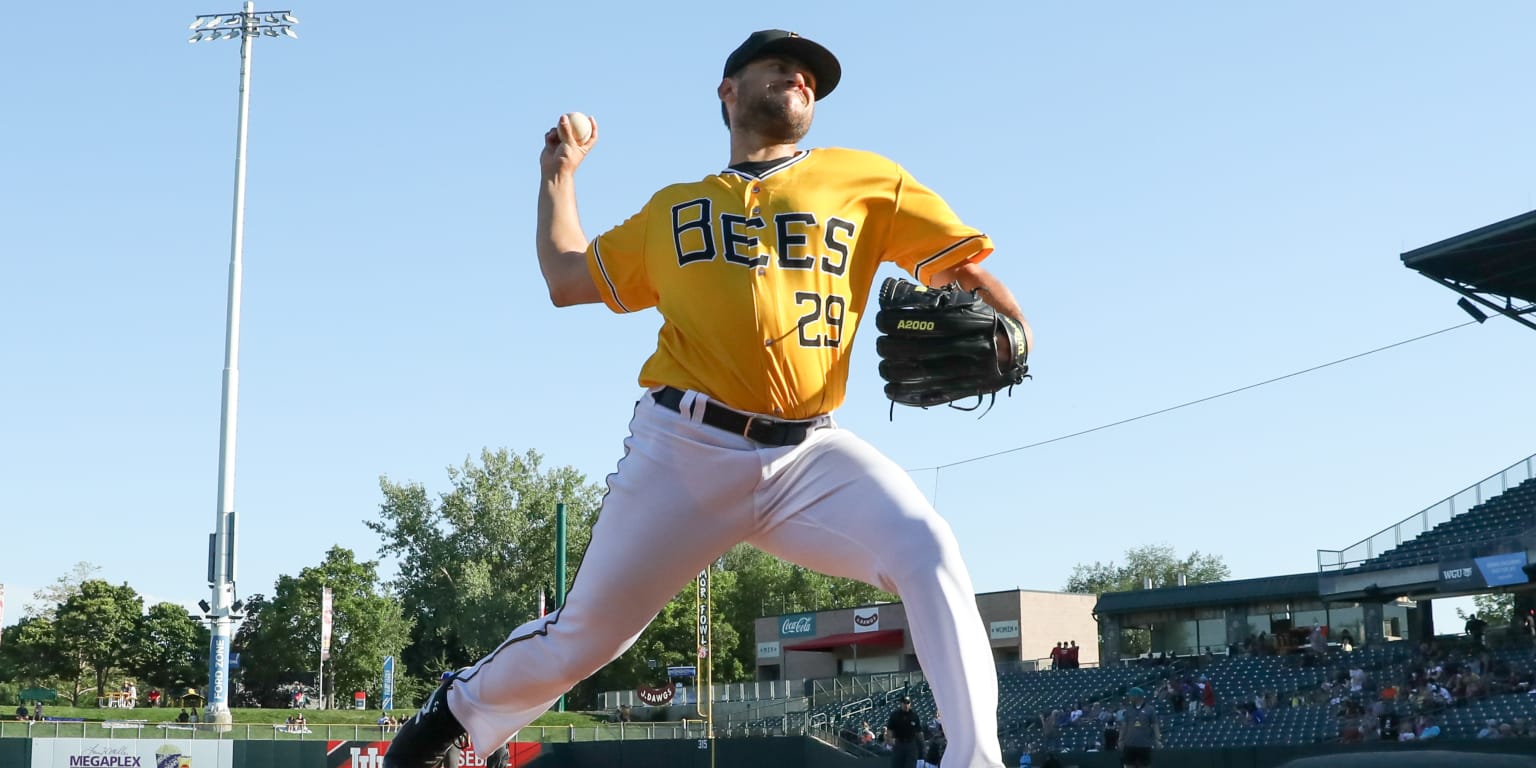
(370, 754)
(131, 753)
(1489, 571)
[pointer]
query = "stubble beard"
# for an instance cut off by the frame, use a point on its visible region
(774, 118)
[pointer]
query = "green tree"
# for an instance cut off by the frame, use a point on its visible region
(46, 601)
(95, 631)
(1496, 608)
(170, 648)
(29, 654)
(1158, 563)
(472, 561)
(767, 586)
(284, 645)
(248, 633)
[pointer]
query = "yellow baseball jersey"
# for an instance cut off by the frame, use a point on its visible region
(761, 279)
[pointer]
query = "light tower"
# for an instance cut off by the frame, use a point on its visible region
(246, 25)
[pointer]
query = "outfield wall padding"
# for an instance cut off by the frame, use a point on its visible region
(15, 753)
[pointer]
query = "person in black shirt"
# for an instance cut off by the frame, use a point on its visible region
(1476, 627)
(902, 732)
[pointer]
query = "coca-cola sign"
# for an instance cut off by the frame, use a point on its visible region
(797, 625)
(866, 619)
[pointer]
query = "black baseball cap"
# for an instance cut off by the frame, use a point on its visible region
(820, 61)
(906, 699)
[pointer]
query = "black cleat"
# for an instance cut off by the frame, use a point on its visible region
(424, 740)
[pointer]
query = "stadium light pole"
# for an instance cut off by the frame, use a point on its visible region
(247, 25)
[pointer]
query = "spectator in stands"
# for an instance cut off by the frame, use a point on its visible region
(1139, 731)
(1346, 641)
(1475, 628)
(1048, 727)
(935, 751)
(1207, 697)
(1490, 730)
(1071, 656)
(154, 697)
(1427, 728)
(21, 711)
(1317, 643)
(1390, 722)
(1057, 655)
(1111, 737)
(902, 732)
(1356, 679)
(866, 735)
(183, 717)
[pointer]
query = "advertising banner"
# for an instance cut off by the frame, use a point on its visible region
(1004, 630)
(218, 673)
(387, 690)
(325, 623)
(1488, 571)
(866, 619)
(704, 614)
(768, 650)
(370, 754)
(797, 625)
(131, 753)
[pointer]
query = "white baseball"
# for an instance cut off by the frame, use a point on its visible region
(580, 127)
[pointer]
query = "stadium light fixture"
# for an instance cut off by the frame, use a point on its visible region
(1471, 309)
(224, 608)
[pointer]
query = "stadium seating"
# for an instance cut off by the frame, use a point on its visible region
(1508, 514)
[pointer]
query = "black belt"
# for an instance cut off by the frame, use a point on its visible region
(751, 426)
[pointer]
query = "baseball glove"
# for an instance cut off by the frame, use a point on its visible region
(941, 345)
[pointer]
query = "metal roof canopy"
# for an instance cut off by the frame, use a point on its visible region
(1218, 594)
(880, 638)
(1494, 266)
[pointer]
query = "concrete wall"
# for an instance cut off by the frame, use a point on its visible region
(1048, 618)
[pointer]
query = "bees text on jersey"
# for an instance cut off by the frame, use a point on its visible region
(761, 279)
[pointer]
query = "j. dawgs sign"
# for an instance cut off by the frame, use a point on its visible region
(866, 619)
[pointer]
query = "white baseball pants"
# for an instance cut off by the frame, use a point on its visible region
(686, 492)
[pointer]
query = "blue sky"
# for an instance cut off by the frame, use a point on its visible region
(1186, 198)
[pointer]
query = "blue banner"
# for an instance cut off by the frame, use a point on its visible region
(388, 690)
(218, 673)
(1502, 570)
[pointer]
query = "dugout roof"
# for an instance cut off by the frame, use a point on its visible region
(1494, 266)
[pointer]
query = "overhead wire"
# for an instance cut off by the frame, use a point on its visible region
(938, 467)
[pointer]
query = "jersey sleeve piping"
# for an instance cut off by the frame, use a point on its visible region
(969, 248)
(611, 297)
